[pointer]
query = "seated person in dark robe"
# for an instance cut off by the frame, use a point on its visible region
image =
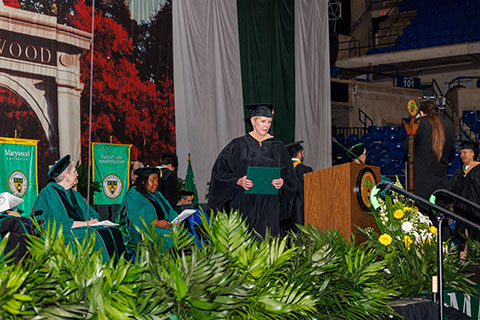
(143, 201)
(186, 197)
(466, 183)
(297, 153)
(167, 179)
(16, 226)
(229, 175)
(59, 203)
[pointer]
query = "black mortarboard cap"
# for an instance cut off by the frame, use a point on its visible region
(260, 109)
(294, 148)
(172, 157)
(146, 171)
(469, 145)
(356, 150)
(186, 193)
(59, 166)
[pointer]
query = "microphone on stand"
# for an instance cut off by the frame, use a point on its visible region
(344, 148)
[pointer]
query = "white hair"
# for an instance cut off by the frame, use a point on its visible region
(61, 176)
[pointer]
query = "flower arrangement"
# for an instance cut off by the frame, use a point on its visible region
(407, 240)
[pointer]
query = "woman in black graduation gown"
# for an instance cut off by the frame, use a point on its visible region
(433, 144)
(229, 181)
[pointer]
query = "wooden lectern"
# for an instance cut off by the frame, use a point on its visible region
(337, 197)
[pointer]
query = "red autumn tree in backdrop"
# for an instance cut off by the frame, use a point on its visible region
(12, 3)
(125, 108)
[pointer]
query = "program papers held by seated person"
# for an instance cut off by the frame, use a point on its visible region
(59, 203)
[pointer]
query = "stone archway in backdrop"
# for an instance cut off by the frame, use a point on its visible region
(40, 62)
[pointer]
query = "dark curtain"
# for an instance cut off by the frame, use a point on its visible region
(267, 53)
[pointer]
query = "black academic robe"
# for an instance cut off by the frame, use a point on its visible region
(260, 211)
(167, 185)
(18, 228)
(428, 173)
(298, 212)
(468, 187)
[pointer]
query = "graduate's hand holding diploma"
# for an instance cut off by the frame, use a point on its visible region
(277, 183)
(245, 183)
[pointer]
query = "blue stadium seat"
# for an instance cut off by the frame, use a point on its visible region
(397, 171)
(352, 139)
(391, 136)
(375, 148)
(469, 117)
(366, 137)
(376, 132)
(476, 127)
(456, 163)
(390, 129)
(396, 151)
(340, 138)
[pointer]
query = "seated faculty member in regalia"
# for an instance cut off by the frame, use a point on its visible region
(229, 175)
(59, 204)
(143, 201)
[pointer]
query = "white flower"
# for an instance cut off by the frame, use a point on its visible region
(407, 226)
(424, 219)
(416, 236)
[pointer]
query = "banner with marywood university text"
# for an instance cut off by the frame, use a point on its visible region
(18, 171)
(111, 164)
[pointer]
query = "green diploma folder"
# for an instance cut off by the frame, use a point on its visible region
(262, 180)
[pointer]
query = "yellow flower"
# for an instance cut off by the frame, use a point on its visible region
(407, 209)
(385, 239)
(408, 241)
(398, 214)
(433, 230)
(406, 219)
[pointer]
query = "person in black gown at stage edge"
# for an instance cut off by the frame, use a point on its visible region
(167, 180)
(433, 144)
(297, 154)
(229, 181)
(466, 183)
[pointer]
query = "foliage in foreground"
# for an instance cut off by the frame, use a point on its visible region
(232, 276)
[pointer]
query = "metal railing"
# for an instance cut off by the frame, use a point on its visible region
(458, 80)
(464, 133)
(363, 118)
(346, 131)
(437, 92)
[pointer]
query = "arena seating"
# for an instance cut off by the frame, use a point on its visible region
(385, 149)
(436, 23)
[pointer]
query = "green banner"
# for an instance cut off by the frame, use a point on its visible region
(111, 164)
(190, 181)
(18, 171)
(464, 303)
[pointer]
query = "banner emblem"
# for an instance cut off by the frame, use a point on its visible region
(18, 183)
(112, 186)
